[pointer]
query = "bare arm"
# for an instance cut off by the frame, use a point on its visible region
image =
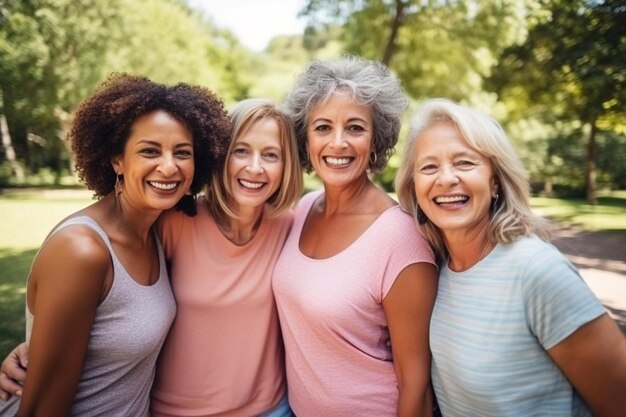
(13, 372)
(64, 290)
(594, 360)
(408, 307)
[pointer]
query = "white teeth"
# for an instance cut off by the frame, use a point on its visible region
(337, 161)
(249, 184)
(451, 199)
(163, 185)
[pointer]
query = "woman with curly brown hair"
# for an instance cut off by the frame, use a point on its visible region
(99, 303)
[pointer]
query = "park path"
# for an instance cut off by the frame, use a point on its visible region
(601, 259)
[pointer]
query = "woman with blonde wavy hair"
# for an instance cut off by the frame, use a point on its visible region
(515, 331)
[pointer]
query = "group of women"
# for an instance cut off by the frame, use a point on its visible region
(331, 309)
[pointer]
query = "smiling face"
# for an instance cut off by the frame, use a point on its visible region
(255, 165)
(339, 136)
(454, 184)
(157, 163)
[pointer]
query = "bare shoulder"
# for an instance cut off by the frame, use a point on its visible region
(77, 243)
(69, 256)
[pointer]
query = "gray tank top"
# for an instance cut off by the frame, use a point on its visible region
(128, 331)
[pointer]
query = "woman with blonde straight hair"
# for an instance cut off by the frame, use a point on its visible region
(223, 355)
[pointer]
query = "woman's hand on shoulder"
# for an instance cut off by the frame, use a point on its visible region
(69, 277)
(593, 358)
(13, 372)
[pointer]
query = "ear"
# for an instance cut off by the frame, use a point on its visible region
(495, 187)
(116, 163)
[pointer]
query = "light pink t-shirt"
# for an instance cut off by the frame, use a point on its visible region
(223, 355)
(337, 343)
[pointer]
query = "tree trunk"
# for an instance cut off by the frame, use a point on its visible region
(590, 171)
(398, 21)
(9, 151)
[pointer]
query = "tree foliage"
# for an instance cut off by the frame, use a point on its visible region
(437, 48)
(50, 51)
(54, 52)
(571, 68)
(553, 72)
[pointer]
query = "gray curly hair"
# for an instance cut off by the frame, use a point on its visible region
(365, 81)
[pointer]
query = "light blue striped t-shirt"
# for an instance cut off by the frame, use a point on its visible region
(491, 327)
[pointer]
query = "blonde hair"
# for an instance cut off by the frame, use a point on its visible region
(242, 117)
(512, 217)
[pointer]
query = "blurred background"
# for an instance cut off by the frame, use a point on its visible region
(552, 72)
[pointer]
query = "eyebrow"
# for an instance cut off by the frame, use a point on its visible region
(351, 119)
(468, 154)
(158, 144)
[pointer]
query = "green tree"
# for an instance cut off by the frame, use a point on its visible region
(54, 52)
(168, 42)
(437, 48)
(572, 67)
(51, 52)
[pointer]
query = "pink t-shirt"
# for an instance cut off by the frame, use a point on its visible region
(223, 355)
(339, 360)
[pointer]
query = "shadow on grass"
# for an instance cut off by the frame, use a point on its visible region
(14, 268)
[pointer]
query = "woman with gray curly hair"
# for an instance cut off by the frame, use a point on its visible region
(515, 331)
(355, 283)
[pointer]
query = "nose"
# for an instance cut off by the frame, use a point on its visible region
(338, 139)
(256, 164)
(447, 175)
(168, 166)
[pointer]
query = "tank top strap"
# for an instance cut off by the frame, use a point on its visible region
(92, 224)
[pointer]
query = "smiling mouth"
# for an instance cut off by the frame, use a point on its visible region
(451, 200)
(338, 161)
(251, 185)
(164, 186)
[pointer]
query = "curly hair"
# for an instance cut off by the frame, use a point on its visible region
(512, 217)
(103, 123)
(367, 82)
(243, 116)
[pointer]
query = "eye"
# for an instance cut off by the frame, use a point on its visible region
(271, 156)
(428, 169)
(240, 151)
(184, 153)
(355, 128)
(149, 152)
(465, 164)
(322, 128)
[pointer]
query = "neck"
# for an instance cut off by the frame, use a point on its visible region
(132, 223)
(241, 229)
(347, 199)
(466, 249)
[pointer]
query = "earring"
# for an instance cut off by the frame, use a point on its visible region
(375, 158)
(421, 217)
(118, 185)
(494, 205)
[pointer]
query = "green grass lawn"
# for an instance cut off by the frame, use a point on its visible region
(609, 215)
(26, 219)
